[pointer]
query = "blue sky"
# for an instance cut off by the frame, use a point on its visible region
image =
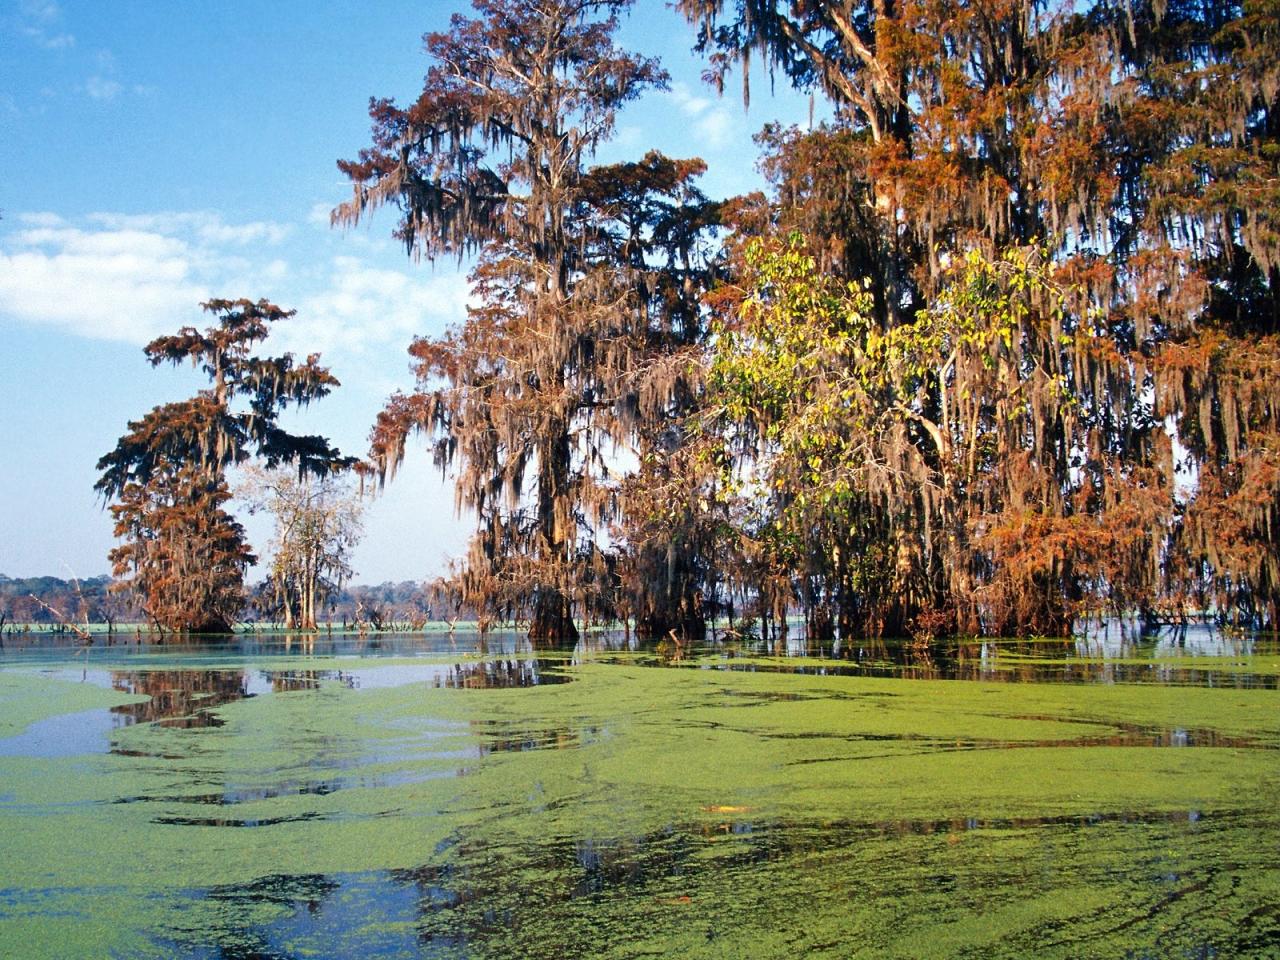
(155, 153)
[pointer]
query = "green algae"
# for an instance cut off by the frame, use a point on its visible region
(27, 697)
(638, 811)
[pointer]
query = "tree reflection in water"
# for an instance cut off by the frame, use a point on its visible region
(1078, 659)
(292, 681)
(179, 698)
(498, 674)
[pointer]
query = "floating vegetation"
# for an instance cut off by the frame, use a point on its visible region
(323, 808)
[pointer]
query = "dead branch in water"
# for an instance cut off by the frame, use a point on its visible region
(85, 636)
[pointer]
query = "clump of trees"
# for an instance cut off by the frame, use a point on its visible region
(38, 601)
(184, 554)
(997, 349)
(1034, 311)
(52, 602)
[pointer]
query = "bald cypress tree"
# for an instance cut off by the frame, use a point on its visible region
(585, 279)
(183, 553)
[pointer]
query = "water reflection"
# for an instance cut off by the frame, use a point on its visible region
(64, 735)
(1192, 656)
(602, 865)
(236, 821)
(1126, 735)
(498, 675)
(188, 698)
(1103, 652)
(578, 869)
(179, 698)
(497, 737)
(292, 681)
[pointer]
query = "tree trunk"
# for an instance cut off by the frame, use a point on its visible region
(552, 609)
(308, 599)
(686, 625)
(819, 625)
(552, 617)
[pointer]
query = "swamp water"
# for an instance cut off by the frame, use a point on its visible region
(429, 798)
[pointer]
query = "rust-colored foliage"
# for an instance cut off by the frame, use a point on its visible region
(1018, 368)
(184, 554)
(1117, 449)
(586, 287)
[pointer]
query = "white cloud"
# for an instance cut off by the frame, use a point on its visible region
(627, 136)
(42, 11)
(39, 21)
(122, 286)
(717, 127)
(102, 88)
(56, 41)
(319, 214)
(368, 311)
(127, 277)
(74, 242)
(104, 83)
(243, 234)
(131, 277)
(204, 226)
(689, 102)
(40, 219)
(713, 124)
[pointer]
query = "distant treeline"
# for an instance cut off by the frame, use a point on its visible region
(407, 602)
(51, 600)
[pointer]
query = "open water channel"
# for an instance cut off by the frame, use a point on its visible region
(436, 796)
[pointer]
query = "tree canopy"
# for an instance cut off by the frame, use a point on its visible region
(317, 525)
(1060, 224)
